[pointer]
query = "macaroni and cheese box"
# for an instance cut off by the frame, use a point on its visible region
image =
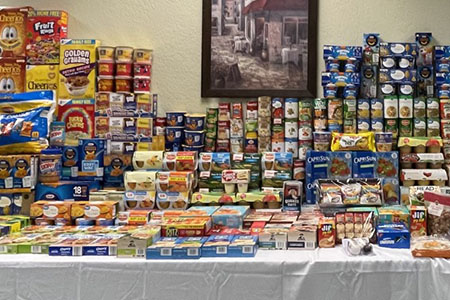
(45, 29)
(13, 31)
(17, 172)
(91, 152)
(77, 68)
(115, 166)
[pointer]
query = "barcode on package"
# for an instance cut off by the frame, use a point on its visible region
(113, 250)
(310, 245)
(247, 249)
(99, 172)
(140, 252)
(26, 181)
(166, 252)
(280, 245)
(74, 171)
(192, 252)
(3, 249)
(36, 249)
(9, 183)
(221, 250)
(77, 251)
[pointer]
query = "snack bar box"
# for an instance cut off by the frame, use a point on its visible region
(199, 211)
(102, 246)
(230, 216)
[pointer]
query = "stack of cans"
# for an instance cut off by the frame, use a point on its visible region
(211, 129)
(264, 128)
(291, 126)
(278, 125)
(251, 127)
(237, 129)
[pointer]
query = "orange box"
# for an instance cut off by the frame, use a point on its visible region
(94, 209)
(327, 232)
(51, 209)
(418, 216)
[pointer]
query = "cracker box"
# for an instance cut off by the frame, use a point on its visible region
(12, 75)
(91, 152)
(78, 115)
(66, 190)
(77, 69)
(13, 31)
(186, 226)
(230, 216)
(45, 29)
(42, 78)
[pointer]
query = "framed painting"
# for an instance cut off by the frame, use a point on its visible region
(252, 48)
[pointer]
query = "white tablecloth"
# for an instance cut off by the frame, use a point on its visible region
(320, 274)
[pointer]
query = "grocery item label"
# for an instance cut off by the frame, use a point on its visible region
(435, 209)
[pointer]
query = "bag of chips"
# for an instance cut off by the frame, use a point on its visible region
(353, 141)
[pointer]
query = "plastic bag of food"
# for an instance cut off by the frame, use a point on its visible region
(431, 246)
(353, 141)
(438, 210)
(25, 119)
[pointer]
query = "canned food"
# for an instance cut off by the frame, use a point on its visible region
(105, 68)
(363, 125)
(142, 84)
(322, 140)
(237, 145)
(350, 126)
(303, 147)
(391, 108)
(212, 115)
(264, 144)
(223, 146)
(142, 70)
(174, 134)
(175, 118)
(299, 170)
(432, 108)
(376, 108)
(124, 69)
(445, 129)
(291, 108)
(332, 65)
(350, 66)
(277, 108)
(405, 127)
(105, 53)
(278, 132)
(124, 84)
(143, 56)
(264, 106)
(173, 147)
(251, 145)
(305, 110)
(105, 83)
(291, 130)
(224, 112)
(391, 126)
(330, 92)
(350, 92)
(194, 138)
(304, 131)
(334, 127)
(320, 124)
(160, 126)
(124, 54)
(420, 127)
(291, 145)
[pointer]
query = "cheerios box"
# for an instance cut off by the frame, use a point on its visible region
(45, 29)
(77, 68)
(42, 78)
(12, 75)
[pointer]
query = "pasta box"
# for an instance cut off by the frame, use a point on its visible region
(393, 235)
(45, 29)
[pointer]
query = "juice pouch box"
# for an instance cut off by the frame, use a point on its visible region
(387, 164)
(12, 75)
(45, 29)
(91, 152)
(364, 164)
(78, 115)
(12, 31)
(77, 68)
(317, 166)
(341, 165)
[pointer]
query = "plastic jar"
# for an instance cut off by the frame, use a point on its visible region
(50, 165)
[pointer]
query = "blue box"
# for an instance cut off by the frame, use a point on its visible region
(317, 164)
(394, 235)
(69, 162)
(66, 190)
(364, 163)
(90, 154)
(217, 246)
(341, 52)
(162, 248)
(188, 247)
(340, 166)
(387, 165)
(231, 216)
(243, 246)
(115, 166)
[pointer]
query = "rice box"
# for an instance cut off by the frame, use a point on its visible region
(77, 68)
(12, 29)
(45, 29)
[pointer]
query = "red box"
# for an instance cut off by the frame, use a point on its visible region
(13, 37)
(45, 29)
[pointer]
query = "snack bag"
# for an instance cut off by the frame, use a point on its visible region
(77, 69)
(45, 29)
(353, 141)
(25, 119)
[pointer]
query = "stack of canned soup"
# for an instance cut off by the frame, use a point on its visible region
(264, 124)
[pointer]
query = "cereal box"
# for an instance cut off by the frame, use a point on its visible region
(77, 68)
(78, 114)
(42, 78)
(12, 75)
(45, 29)
(12, 28)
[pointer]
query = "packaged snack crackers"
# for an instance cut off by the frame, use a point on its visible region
(77, 68)
(45, 29)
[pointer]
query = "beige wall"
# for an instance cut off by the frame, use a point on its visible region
(173, 29)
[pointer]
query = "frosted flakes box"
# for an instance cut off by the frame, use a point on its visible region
(78, 115)
(42, 77)
(12, 31)
(77, 68)
(45, 29)
(12, 75)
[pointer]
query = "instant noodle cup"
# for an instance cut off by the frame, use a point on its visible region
(124, 69)
(105, 68)
(142, 84)
(105, 83)
(143, 56)
(142, 70)
(124, 54)
(353, 142)
(123, 84)
(105, 53)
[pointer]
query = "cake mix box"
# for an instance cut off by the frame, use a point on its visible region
(12, 28)
(45, 29)
(77, 68)
(78, 115)
(12, 75)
